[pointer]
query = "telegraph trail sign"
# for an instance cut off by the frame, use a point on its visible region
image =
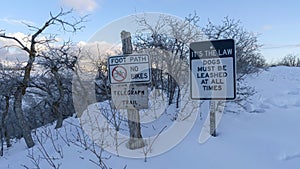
(133, 96)
(212, 70)
(129, 69)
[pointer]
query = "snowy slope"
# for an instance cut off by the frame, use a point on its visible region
(267, 139)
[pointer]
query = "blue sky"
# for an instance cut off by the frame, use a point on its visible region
(277, 22)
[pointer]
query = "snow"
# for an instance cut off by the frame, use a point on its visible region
(266, 138)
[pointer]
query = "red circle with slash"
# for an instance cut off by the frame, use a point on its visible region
(119, 73)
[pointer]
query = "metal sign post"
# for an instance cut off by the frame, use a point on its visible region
(212, 115)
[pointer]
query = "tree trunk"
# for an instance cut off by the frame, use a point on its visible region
(4, 119)
(2, 141)
(7, 138)
(178, 97)
(171, 89)
(23, 124)
(58, 114)
(56, 104)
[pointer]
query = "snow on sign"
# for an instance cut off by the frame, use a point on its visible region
(212, 70)
(129, 69)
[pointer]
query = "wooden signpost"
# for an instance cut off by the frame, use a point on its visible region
(129, 76)
(213, 74)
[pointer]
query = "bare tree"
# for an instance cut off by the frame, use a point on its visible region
(248, 58)
(30, 46)
(8, 81)
(59, 62)
(168, 40)
(290, 60)
(174, 37)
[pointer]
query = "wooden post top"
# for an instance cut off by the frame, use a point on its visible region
(126, 42)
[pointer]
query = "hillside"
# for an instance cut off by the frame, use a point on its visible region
(263, 137)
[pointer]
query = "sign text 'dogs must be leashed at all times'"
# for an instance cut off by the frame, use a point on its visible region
(212, 65)
(129, 69)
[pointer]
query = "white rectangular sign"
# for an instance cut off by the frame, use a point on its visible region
(129, 69)
(212, 70)
(129, 96)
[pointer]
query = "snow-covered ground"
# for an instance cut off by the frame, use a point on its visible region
(267, 138)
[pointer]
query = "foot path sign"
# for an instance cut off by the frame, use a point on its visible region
(129, 69)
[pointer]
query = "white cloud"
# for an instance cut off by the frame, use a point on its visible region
(82, 6)
(15, 54)
(267, 27)
(16, 21)
(100, 48)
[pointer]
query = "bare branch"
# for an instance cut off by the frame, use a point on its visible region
(16, 40)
